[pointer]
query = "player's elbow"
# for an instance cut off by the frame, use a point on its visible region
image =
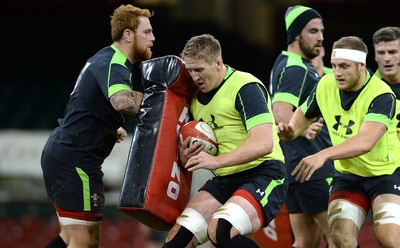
(286, 137)
(126, 102)
(366, 147)
(127, 107)
(266, 148)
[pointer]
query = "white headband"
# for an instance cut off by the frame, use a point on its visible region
(350, 54)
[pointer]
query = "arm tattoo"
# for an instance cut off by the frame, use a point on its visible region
(126, 102)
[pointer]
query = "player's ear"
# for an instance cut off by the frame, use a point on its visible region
(128, 35)
(219, 62)
(362, 67)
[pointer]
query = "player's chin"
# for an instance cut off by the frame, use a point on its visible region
(203, 88)
(148, 54)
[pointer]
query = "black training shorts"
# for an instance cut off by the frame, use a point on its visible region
(71, 187)
(308, 197)
(267, 183)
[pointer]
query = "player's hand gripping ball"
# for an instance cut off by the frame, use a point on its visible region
(200, 131)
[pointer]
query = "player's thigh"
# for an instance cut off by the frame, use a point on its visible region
(303, 226)
(386, 218)
(82, 235)
(204, 203)
(321, 218)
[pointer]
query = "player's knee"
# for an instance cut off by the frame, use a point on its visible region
(222, 234)
(211, 230)
(344, 234)
(181, 239)
(389, 241)
(94, 243)
(192, 223)
(220, 227)
(341, 239)
(84, 240)
(224, 240)
(387, 213)
(236, 215)
(81, 233)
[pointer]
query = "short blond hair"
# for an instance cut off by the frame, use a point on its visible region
(203, 46)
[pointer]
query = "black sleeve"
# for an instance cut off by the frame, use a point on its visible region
(251, 101)
(312, 108)
(383, 104)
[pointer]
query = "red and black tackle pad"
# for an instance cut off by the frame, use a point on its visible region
(155, 188)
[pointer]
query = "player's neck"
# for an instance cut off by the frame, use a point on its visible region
(125, 49)
(395, 79)
(295, 48)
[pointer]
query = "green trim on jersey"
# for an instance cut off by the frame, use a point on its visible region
(327, 70)
(117, 88)
(329, 180)
(220, 113)
(293, 59)
(86, 188)
(258, 119)
(378, 118)
(286, 97)
(378, 74)
(269, 189)
(118, 58)
(384, 158)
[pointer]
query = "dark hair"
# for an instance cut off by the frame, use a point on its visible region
(386, 34)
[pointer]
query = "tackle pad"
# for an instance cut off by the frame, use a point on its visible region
(156, 189)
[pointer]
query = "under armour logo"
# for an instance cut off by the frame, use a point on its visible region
(260, 192)
(212, 123)
(348, 126)
(396, 187)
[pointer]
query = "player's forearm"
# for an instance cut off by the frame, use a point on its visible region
(299, 123)
(127, 102)
(259, 143)
(370, 133)
(351, 148)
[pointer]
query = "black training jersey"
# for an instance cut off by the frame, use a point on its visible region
(292, 79)
(88, 131)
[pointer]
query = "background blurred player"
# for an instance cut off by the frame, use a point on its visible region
(293, 76)
(387, 55)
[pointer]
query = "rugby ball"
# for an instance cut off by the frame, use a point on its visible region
(200, 131)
